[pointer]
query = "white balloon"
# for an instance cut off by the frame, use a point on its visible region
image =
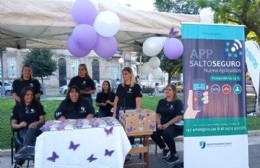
(146, 69)
(157, 73)
(153, 45)
(154, 62)
(107, 24)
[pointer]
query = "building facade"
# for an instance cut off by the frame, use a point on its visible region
(99, 69)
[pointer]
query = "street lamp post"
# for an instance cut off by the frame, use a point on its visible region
(12, 72)
(121, 61)
(2, 73)
(73, 70)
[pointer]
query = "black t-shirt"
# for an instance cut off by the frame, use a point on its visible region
(82, 84)
(28, 114)
(169, 110)
(75, 110)
(102, 98)
(127, 95)
(19, 84)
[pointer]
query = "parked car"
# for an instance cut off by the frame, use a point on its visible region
(148, 89)
(63, 89)
(179, 86)
(161, 88)
(8, 88)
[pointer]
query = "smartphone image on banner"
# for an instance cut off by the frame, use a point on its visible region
(198, 90)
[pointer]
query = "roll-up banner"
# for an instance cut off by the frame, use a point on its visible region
(253, 64)
(215, 124)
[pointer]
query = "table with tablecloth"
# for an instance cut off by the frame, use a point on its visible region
(97, 143)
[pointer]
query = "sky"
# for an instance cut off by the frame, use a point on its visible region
(139, 4)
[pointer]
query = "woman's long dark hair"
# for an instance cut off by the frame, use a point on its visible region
(103, 92)
(68, 101)
(35, 103)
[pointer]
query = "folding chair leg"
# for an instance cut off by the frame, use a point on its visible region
(12, 151)
(141, 142)
(28, 163)
(155, 148)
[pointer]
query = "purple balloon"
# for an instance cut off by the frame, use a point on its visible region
(84, 12)
(75, 50)
(106, 47)
(173, 48)
(84, 36)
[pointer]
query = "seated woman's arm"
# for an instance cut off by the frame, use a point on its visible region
(59, 113)
(173, 121)
(38, 123)
(90, 116)
(15, 124)
(90, 110)
(61, 118)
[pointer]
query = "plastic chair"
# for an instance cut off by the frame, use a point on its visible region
(16, 143)
(25, 153)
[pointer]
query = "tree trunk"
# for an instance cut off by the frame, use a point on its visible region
(43, 87)
(169, 78)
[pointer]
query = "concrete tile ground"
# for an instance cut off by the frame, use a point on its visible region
(157, 162)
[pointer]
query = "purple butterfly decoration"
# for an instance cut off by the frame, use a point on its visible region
(173, 33)
(109, 153)
(109, 131)
(53, 157)
(91, 158)
(152, 126)
(73, 146)
(141, 117)
(93, 123)
(130, 129)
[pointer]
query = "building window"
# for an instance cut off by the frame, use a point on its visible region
(95, 70)
(12, 68)
(74, 67)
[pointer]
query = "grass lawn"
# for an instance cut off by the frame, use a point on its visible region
(6, 105)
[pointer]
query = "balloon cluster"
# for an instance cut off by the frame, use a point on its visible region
(152, 66)
(94, 31)
(172, 47)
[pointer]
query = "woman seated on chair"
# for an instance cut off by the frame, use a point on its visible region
(169, 115)
(105, 100)
(74, 106)
(27, 117)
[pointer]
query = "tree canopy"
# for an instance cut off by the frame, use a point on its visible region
(242, 12)
(174, 67)
(177, 6)
(41, 62)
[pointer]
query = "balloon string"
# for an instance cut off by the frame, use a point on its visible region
(173, 33)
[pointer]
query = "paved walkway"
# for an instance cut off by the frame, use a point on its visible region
(157, 162)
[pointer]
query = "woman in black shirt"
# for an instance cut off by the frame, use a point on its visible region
(27, 117)
(24, 81)
(169, 115)
(105, 100)
(128, 93)
(85, 84)
(74, 107)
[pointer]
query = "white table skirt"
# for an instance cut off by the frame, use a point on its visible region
(90, 148)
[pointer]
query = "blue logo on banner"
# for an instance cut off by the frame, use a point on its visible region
(234, 49)
(202, 144)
